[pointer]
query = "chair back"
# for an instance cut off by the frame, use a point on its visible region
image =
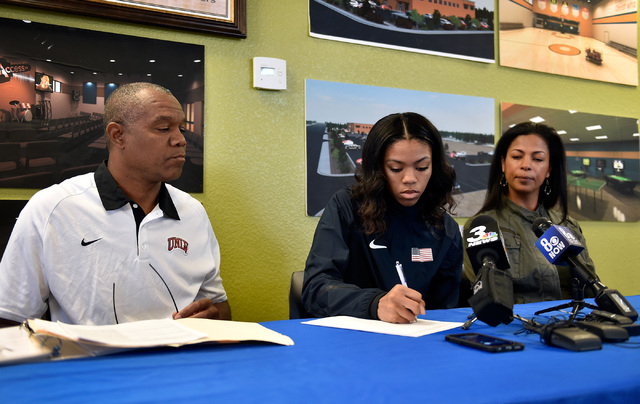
(10, 151)
(41, 153)
(296, 308)
(9, 156)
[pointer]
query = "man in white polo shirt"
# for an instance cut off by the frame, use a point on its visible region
(118, 245)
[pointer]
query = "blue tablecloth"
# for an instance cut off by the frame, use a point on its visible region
(335, 365)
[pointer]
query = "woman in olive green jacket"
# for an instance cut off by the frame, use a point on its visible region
(527, 181)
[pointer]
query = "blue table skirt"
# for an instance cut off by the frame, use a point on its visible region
(335, 365)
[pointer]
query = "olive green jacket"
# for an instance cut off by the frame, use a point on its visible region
(534, 278)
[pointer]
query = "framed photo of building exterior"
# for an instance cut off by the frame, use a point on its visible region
(339, 117)
(223, 17)
(462, 29)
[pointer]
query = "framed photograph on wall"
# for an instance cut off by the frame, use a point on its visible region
(223, 17)
(603, 159)
(53, 94)
(339, 117)
(592, 40)
(458, 28)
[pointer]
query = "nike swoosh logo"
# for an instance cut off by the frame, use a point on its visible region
(375, 246)
(86, 243)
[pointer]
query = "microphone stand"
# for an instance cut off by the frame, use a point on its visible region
(576, 304)
(470, 320)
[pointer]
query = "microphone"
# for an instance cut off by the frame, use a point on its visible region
(492, 299)
(484, 244)
(559, 246)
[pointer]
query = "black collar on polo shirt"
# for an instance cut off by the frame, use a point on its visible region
(113, 197)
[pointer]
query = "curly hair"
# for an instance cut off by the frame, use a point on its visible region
(557, 163)
(371, 188)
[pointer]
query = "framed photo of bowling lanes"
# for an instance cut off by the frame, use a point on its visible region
(222, 17)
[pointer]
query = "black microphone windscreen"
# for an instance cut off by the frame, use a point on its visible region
(483, 240)
(541, 225)
(492, 299)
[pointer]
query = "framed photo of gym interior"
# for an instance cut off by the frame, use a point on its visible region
(223, 17)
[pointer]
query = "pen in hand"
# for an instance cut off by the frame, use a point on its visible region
(403, 281)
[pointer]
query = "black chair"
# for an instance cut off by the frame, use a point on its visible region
(296, 308)
(465, 292)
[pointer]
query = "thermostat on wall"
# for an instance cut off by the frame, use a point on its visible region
(269, 73)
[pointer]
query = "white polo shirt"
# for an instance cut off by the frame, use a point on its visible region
(75, 246)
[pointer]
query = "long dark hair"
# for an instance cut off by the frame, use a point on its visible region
(557, 162)
(371, 189)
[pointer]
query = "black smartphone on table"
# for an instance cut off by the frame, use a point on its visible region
(484, 342)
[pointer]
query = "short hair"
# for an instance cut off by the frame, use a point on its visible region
(371, 189)
(123, 105)
(557, 163)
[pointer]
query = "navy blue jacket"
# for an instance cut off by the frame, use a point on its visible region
(347, 271)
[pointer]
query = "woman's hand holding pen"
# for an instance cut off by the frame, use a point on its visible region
(400, 305)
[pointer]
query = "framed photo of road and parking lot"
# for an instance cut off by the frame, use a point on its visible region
(340, 115)
(456, 28)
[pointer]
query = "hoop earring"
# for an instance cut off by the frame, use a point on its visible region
(547, 187)
(503, 181)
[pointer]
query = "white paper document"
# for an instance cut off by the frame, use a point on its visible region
(235, 331)
(137, 334)
(39, 339)
(16, 346)
(418, 328)
(163, 332)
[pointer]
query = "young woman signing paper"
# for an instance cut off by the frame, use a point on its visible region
(386, 248)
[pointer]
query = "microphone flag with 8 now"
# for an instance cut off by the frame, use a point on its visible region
(554, 241)
(492, 299)
(559, 246)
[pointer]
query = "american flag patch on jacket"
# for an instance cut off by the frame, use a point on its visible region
(421, 255)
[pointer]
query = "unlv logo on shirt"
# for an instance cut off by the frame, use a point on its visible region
(176, 242)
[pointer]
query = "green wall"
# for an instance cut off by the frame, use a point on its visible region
(254, 167)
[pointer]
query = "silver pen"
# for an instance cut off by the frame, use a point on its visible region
(403, 281)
